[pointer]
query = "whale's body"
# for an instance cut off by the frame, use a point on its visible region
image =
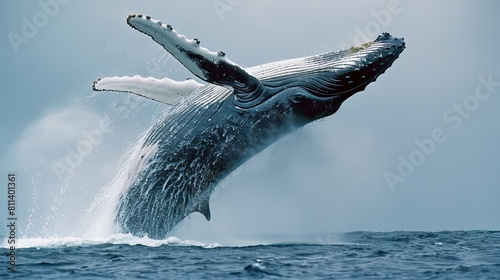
(215, 128)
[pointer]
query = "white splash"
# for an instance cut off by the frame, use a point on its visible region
(100, 217)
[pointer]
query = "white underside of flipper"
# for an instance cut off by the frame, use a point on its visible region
(163, 90)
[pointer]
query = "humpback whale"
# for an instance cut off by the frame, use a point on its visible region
(215, 127)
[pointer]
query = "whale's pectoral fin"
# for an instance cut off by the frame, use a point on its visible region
(204, 208)
(212, 67)
(163, 90)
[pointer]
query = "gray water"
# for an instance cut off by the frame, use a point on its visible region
(364, 255)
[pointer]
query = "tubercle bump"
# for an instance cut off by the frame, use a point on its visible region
(165, 28)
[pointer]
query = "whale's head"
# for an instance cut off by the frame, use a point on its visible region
(317, 85)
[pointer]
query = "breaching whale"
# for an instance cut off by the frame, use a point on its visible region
(215, 127)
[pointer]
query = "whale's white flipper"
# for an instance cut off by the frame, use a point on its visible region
(163, 90)
(212, 67)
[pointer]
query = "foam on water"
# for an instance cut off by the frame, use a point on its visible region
(126, 239)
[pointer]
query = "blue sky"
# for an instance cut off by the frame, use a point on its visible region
(430, 120)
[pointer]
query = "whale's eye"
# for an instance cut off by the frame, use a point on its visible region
(297, 98)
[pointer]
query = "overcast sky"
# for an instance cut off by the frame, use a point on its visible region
(417, 150)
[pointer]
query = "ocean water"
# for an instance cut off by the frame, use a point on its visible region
(363, 255)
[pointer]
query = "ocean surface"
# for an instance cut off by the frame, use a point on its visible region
(360, 255)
